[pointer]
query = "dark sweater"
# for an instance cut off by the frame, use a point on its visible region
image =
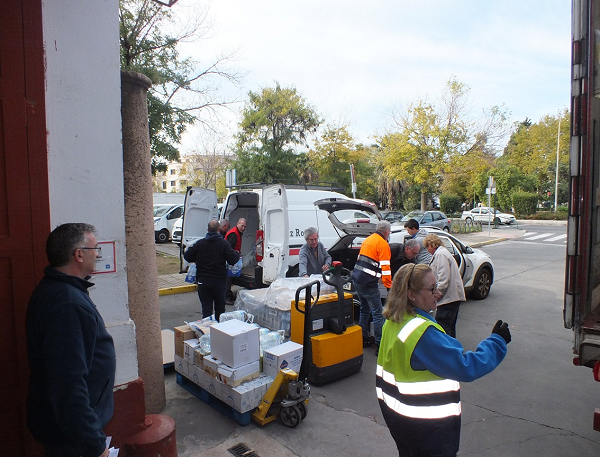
(210, 254)
(72, 361)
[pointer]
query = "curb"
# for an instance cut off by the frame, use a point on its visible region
(484, 243)
(177, 290)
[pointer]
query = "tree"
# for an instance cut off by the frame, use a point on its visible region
(182, 91)
(431, 141)
(532, 149)
(275, 122)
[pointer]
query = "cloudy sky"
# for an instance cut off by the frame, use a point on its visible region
(358, 61)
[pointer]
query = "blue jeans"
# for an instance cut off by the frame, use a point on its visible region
(370, 304)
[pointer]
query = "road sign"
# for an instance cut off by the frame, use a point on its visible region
(491, 190)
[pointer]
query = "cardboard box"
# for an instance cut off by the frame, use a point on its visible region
(182, 333)
(286, 355)
(247, 396)
(189, 346)
(214, 387)
(233, 377)
(211, 365)
(198, 358)
(181, 366)
(234, 342)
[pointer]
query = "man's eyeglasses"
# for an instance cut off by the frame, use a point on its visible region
(98, 249)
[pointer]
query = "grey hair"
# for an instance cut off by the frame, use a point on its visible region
(411, 244)
(382, 226)
(309, 231)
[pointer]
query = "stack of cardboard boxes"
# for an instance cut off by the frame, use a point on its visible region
(232, 372)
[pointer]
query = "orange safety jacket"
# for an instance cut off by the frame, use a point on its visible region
(238, 242)
(373, 262)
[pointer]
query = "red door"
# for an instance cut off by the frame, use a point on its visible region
(24, 209)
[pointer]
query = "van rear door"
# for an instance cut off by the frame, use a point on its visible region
(200, 207)
(275, 229)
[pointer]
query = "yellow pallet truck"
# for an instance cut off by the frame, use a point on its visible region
(333, 342)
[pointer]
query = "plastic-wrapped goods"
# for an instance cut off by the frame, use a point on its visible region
(238, 314)
(202, 327)
(205, 344)
(270, 339)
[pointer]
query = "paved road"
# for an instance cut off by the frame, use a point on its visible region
(535, 403)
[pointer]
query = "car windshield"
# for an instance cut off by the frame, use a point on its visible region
(412, 215)
(161, 210)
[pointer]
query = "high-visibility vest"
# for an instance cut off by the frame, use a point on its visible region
(410, 393)
(238, 243)
(373, 262)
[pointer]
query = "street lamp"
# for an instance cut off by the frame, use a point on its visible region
(556, 178)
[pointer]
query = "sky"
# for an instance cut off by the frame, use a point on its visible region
(357, 62)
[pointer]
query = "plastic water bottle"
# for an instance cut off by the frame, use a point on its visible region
(239, 314)
(269, 340)
(205, 344)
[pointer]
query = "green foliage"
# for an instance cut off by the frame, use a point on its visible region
(274, 123)
(508, 179)
(525, 203)
(443, 143)
(180, 92)
(450, 204)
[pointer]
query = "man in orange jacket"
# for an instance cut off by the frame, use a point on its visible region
(372, 268)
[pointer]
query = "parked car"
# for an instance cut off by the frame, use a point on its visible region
(429, 219)
(164, 218)
(484, 214)
(392, 216)
(177, 231)
(475, 266)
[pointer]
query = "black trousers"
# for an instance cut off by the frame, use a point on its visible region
(446, 315)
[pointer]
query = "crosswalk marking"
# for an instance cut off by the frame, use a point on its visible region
(529, 234)
(537, 237)
(556, 238)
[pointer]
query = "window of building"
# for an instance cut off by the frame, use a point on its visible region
(164, 186)
(173, 183)
(172, 171)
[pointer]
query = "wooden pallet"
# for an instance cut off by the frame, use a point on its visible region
(214, 402)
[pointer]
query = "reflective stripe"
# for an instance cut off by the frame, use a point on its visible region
(410, 327)
(369, 260)
(367, 271)
(386, 273)
(419, 388)
(419, 412)
(384, 262)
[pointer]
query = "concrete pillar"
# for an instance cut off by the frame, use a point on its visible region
(142, 277)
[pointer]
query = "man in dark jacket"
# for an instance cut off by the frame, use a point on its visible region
(71, 355)
(211, 254)
(234, 238)
(403, 254)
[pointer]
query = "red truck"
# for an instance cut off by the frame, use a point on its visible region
(582, 281)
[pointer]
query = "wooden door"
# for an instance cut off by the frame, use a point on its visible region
(24, 208)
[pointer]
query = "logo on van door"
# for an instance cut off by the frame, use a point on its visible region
(296, 232)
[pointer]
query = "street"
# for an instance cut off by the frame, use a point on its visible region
(535, 403)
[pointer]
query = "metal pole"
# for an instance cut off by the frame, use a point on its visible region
(556, 182)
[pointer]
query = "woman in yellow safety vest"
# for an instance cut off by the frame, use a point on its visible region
(419, 367)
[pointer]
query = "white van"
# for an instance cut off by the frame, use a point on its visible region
(165, 216)
(276, 216)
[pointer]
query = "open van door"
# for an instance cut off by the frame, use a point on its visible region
(274, 226)
(200, 206)
(352, 217)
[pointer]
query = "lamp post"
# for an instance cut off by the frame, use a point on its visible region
(557, 155)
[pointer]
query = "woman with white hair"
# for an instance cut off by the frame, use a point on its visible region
(314, 258)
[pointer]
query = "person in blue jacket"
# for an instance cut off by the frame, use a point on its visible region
(419, 367)
(71, 354)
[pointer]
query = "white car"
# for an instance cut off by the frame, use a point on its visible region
(476, 267)
(177, 231)
(484, 214)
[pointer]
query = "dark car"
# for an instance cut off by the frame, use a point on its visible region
(429, 219)
(392, 216)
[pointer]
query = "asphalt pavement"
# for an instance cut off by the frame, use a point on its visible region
(513, 411)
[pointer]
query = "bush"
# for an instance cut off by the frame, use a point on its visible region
(524, 203)
(450, 204)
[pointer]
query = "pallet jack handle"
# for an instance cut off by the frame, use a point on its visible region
(337, 276)
(306, 354)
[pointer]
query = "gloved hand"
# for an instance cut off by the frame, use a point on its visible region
(501, 328)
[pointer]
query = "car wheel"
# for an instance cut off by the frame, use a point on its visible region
(469, 221)
(482, 284)
(162, 236)
(447, 229)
